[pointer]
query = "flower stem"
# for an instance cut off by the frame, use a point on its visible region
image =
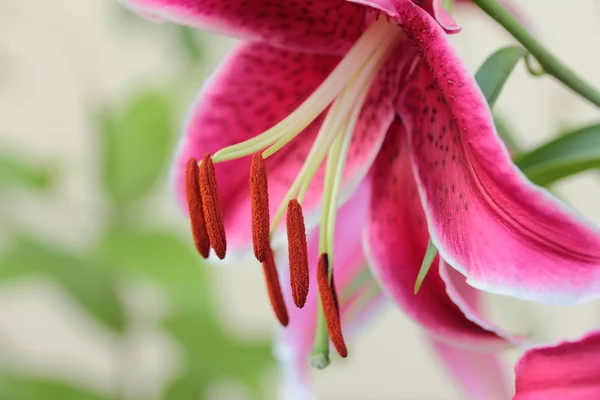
(547, 61)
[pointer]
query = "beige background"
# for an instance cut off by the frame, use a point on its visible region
(55, 56)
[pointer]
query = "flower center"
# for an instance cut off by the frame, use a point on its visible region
(344, 91)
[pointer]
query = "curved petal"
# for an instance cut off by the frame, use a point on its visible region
(468, 299)
(565, 371)
(257, 86)
(324, 26)
(443, 17)
(487, 220)
(395, 239)
(479, 375)
(433, 7)
(295, 342)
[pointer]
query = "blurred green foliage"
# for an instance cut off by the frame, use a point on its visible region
(571, 152)
(24, 388)
(17, 172)
(137, 141)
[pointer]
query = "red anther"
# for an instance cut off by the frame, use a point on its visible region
(298, 253)
(212, 207)
(274, 288)
(194, 200)
(259, 197)
(330, 306)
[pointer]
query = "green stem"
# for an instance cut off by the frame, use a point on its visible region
(548, 61)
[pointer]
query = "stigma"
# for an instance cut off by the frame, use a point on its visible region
(342, 95)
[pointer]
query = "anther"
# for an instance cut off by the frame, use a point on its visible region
(274, 288)
(298, 253)
(330, 306)
(212, 207)
(194, 200)
(259, 196)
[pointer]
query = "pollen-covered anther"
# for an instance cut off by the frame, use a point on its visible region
(196, 213)
(212, 207)
(259, 196)
(274, 288)
(330, 306)
(298, 253)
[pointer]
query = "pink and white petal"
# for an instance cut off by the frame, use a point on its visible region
(443, 17)
(255, 87)
(569, 370)
(468, 299)
(479, 375)
(395, 239)
(487, 220)
(325, 26)
(433, 7)
(294, 342)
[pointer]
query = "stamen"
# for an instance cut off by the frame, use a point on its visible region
(274, 288)
(298, 253)
(212, 207)
(330, 306)
(194, 200)
(377, 35)
(341, 117)
(259, 196)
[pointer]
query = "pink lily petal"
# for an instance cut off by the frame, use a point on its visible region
(324, 26)
(433, 7)
(487, 220)
(395, 239)
(256, 87)
(565, 371)
(294, 343)
(443, 17)
(479, 375)
(468, 299)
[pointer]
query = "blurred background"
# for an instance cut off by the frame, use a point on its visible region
(101, 293)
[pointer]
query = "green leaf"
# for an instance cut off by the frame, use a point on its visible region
(571, 153)
(162, 257)
(447, 4)
(430, 254)
(16, 172)
(13, 387)
(137, 144)
(189, 42)
(494, 72)
(93, 289)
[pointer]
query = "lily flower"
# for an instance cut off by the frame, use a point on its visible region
(367, 85)
(569, 370)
